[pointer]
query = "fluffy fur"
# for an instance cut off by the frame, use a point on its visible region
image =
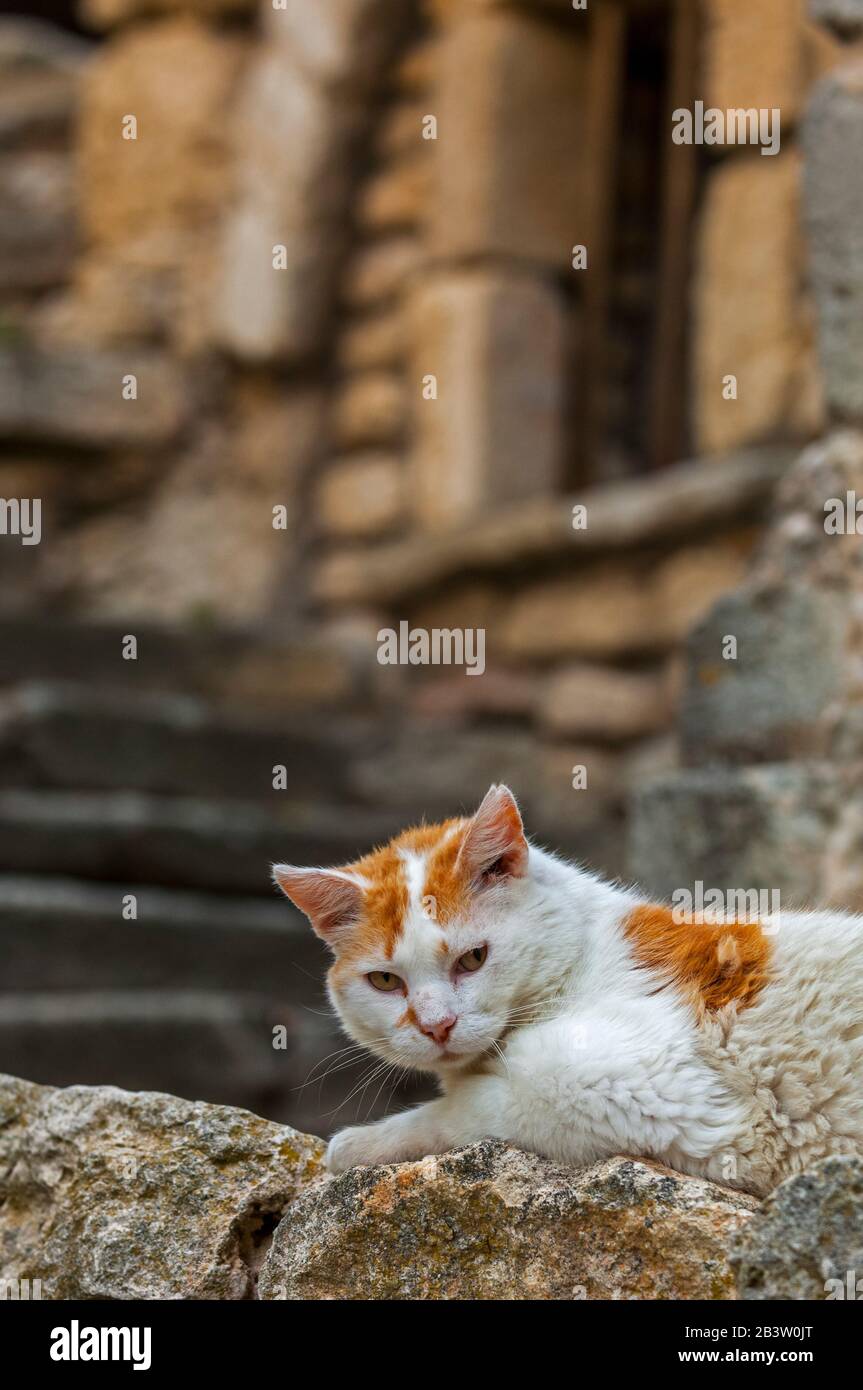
(595, 1024)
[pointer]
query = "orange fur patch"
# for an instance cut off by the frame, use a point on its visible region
(385, 901)
(713, 965)
(447, 882)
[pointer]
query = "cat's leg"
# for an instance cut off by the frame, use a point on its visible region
(411, 1134)
(576, 1089)
(625, 1077)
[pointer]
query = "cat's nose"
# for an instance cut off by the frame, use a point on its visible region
(440, 1030)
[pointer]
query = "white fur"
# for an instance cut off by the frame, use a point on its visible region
(568, 1048)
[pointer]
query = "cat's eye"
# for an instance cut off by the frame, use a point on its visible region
(385, 980)
(472, 960)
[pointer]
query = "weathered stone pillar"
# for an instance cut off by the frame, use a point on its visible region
(490, 313)
(306, 98)
(771, 724)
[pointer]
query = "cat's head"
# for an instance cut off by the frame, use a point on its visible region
(428, 935)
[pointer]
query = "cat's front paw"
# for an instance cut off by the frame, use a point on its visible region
(393, 1140)
(350, 1147)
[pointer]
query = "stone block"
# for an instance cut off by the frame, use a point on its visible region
(768, 702)
(38, 230)
(305, 101)
(361, 496)
(845, 16)
(509, 103)
(761, 827)
(495, 433)
(833, 141)
(373, 341)
(753, 55)
(206, 1176)
(68, 397)
(369, 410)
(751, 319)
(805, 1242)
(620, 1229)
(603, 703)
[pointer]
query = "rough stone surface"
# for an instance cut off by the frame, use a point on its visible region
(315, 74)
(769, 702)
(846, 16)
(149, 206)
(107, 1194)
(687, 498)
(833, 138)
(78, 399)
(793, 686)
(362, 496)
(610, 610)
(599, 702)
(509, 105)
(496, 344)
(368, 411)
(808, 1232)
(751, 319)
(768, 826)
(753, 55)
(106, 14)
(491, 1222)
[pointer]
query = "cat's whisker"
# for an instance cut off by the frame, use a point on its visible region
(361, 1086)
(499, 1050)
(344, 1057)
(390, 1072)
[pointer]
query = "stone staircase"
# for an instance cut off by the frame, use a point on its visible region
(141, 942)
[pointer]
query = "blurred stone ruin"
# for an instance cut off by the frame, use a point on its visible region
(298, 133)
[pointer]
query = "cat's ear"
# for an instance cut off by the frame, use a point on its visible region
(330, 898)
(495, 842)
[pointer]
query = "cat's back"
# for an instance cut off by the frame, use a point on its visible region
(796, 1052)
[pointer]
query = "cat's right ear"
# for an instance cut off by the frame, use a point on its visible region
(331, 899)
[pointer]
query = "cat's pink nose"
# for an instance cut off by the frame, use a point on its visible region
(440, 1030)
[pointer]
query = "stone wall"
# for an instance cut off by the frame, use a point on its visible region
(337, 260)
(382, 338)
(770, 726)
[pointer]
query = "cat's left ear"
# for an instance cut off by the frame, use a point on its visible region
(495, 843)
(331, 899)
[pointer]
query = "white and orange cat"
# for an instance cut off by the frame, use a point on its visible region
(572, 1018)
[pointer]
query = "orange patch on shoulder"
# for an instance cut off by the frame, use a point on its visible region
(714, 965)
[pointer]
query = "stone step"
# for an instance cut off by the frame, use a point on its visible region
(128, 837)
(68, 934)
(209, 1045)
(205, 1044)
(229, 667)
(63, 734)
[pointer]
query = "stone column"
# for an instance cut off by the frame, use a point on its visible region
(489, 309)
(770, 794)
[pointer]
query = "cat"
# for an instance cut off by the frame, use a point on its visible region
(568, 1016)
